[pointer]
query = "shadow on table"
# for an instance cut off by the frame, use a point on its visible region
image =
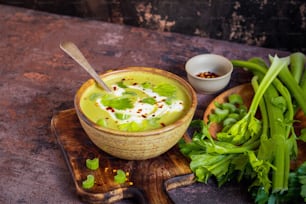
(200, 193)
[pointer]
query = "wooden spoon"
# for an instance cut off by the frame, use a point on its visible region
(73, 51)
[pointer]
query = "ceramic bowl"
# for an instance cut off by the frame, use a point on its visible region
(212, 63)
(137, 145)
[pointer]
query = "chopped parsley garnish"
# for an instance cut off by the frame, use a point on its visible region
(135, 126)
(149, 100)
(102, 122)
(146, 85)
(169, 100)
(119, 103)
(122, 116)
(166, 90)
(132, 126)
(121, 84)
(94, 96)
(132, 93)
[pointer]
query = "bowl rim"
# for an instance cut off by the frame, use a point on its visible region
(187, 68)
(184, 83)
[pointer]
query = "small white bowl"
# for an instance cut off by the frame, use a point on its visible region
(213, 63)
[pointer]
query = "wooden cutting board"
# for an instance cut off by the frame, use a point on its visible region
(148, 180)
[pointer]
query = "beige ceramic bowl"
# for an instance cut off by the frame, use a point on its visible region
(209, 63)
(137, 145)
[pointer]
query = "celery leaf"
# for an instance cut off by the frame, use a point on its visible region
(119, 103)
(164, 89)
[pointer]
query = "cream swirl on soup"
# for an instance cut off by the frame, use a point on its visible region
(137, 103)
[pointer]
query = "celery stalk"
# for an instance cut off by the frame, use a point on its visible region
(297, 60)
(303, 82)
(287, 78)
(249, 126)
(299, 93)
(278, 136)
(264, 118)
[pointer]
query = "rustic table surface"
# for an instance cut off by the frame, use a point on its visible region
(38, 80)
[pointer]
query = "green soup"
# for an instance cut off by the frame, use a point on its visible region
(140, 101)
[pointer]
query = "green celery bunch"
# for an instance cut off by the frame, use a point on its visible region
(278, 142)
(249, 147)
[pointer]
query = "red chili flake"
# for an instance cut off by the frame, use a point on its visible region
(139, 110)
(115, 88)
(163, 124)
(207, 75)
(135, 83)
(161, 106)
(110, 109)
(144, 116)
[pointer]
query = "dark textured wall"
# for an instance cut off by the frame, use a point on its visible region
(279, 24)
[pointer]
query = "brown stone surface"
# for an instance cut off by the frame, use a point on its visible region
(273, 24)
(38, 80)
